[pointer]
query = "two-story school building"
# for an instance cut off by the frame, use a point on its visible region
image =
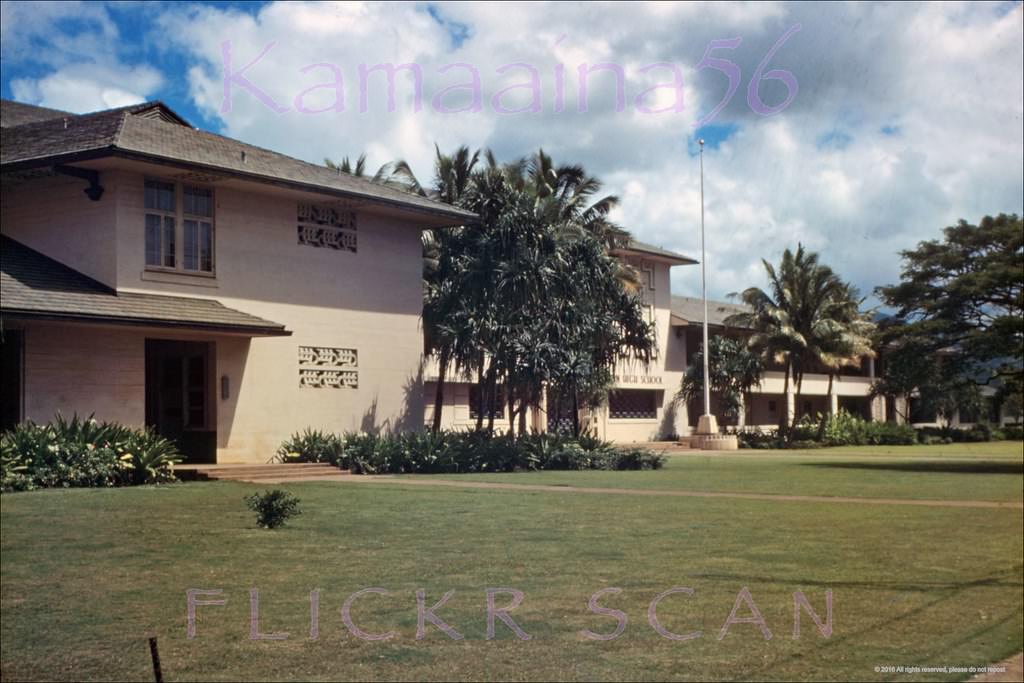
(640, 408)
(643, 404)
(227, 295)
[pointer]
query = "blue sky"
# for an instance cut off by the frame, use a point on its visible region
(904, 117)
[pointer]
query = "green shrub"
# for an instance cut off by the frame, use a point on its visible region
(273, 508)
(840, 429)
(82, 453)
(758, 438)
(889, 434)
(313, 445)
(480, 451)
(975, 434)
(980, 432)
(153, 457)
(1013, 432)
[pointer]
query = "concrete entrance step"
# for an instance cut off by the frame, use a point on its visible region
(248, 472)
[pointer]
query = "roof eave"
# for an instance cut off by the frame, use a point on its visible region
(655, 256)
(453, 218)
(246, 330)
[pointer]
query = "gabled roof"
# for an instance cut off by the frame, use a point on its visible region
(689, 310)
(18, 113)
(149, 132)
(13, 114)
(35, 286)
(642, 248)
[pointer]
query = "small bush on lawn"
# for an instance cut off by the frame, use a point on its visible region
(83, 452)
(273, 508)
(473, 451)
(313, 445)
(1013, 432)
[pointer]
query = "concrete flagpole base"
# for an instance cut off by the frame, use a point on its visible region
(707, 437)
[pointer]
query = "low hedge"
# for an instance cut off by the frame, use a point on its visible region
(844, 429)
(841, 429)
(450, 452)
(974, 434)
(83, 452)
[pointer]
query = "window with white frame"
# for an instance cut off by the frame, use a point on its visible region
(161, 214)
(170, 207)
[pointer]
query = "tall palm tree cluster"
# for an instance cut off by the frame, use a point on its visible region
(528, 299)
(808, 317)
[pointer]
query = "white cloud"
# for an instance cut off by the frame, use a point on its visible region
(88, 87)
(78, 44)
(946, 80)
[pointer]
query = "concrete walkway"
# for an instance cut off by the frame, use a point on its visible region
(433, 480)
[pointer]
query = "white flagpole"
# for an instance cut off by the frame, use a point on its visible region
(704, 286)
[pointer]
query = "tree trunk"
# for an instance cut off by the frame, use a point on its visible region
(575, 413)
(824, 417)
(786, 417)
(481, 392)
(523, 405)
(555, 406)
(442, 369)
(798, 381)
(510, 398)
(492, 396)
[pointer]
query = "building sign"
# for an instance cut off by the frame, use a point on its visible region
(328, 366)
(638, 379)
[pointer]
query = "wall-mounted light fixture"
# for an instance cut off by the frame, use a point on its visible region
(225, 387)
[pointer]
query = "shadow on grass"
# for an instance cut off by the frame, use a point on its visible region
(974, 467)
(944, 594)
(1004, 578)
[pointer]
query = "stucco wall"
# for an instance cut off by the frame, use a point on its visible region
(84, 370)
(52, 215)
(369, 301)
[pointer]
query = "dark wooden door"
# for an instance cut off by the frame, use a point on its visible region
(178, 405)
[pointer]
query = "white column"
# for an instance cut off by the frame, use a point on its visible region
(878, 409)
(742, 421)
(900, 409)
(833, 400)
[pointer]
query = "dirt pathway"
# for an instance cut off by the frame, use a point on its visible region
(413, 480)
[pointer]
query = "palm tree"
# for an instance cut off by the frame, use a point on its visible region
(568, 197)
(794, 316)
(500, 293)
(346, 166)
(845, 340)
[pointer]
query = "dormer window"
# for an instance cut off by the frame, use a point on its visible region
(179, 227)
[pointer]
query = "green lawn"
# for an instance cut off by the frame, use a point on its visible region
(86, 575)
(984, 471)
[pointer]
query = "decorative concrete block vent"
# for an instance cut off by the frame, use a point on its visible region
(326, 366)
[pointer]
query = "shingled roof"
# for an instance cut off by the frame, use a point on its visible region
(149, 132)
(35, 286)
(688, 309)
(651, 250)
(17, 113)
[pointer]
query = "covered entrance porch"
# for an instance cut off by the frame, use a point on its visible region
(72, 345)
